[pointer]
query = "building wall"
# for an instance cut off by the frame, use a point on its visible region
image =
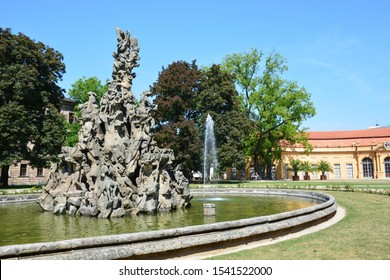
(346, 152)
(347, 162)
(29, 175)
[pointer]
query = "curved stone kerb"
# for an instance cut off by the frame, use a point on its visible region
(133, 244)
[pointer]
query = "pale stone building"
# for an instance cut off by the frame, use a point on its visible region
(353, 154)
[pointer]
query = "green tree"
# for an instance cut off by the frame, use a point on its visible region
(277, 106)
(307, 167)
(79, 93)
(79, 89)
(245, 67)
(323, 166)
(31, 126)
(219, 98)
(175, 93)
(72, 131)
(296, 165)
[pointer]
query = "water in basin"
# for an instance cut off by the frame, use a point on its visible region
(27, 223)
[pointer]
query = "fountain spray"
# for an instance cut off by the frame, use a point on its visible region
(210, 162)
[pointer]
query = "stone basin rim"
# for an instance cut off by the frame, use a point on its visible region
(112, 243)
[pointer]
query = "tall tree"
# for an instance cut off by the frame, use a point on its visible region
(277, 106)
(219, 98)
(279, 109)
(31, 126)
(79, 93)
(175, 93)
(245, 68)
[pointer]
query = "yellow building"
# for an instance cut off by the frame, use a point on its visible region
(353, 154)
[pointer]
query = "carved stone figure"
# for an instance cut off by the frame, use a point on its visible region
(116, 169)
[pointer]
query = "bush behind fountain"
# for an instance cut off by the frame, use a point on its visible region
(116, 169)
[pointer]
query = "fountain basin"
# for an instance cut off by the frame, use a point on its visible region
(166, 243)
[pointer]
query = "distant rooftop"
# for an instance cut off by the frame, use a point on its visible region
(347, 138)
(68, 100)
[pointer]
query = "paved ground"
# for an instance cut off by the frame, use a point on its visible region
(336, 218)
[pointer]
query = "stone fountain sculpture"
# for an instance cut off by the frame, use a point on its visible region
(116, 169)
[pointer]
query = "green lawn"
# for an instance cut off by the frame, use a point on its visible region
(384, 184)
(365, 186)
(21, 189)
(364, 234)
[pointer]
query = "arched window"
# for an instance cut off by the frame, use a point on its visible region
(387, 167)
(368, 169)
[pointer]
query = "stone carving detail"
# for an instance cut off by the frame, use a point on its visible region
(116, 169)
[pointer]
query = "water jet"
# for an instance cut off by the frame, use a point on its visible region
(210, 163)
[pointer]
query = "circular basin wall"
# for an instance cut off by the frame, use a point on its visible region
(209, 231)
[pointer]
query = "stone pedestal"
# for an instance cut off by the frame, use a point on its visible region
(209, 209)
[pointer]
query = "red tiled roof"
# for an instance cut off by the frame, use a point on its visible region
(348, 138)
(349, 134)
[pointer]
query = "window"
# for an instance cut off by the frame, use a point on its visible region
(337, 171)
(387, 167)
(23, 170)
(71, 117)
(349, 170)
(368, 169)
(285, 171)
(40, 172)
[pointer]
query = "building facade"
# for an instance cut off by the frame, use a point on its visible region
(353, 154)
(21, 173)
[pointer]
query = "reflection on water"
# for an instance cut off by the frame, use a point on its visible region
(210, 198)
(27, 223)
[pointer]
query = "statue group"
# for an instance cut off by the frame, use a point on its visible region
(116, 169)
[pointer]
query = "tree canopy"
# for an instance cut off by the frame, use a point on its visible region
(277, 106)
(79, 89)
(79, 93)
(31, 126)
(184, 96)
(245, 68)
(219, 98)
(175, 93)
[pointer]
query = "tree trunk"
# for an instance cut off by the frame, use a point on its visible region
(187, 174)
(4, 176)
(256, 163)
(269, 172)
(295, 176)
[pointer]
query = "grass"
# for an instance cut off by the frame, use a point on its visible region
(367, 186)
(21, 189)
(315, 183)
(364, 234)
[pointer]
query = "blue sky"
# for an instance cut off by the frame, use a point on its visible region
(339, 50)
